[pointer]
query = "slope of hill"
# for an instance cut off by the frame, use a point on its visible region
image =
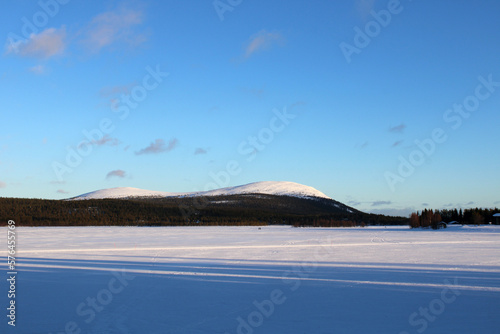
(124, 193)
(259, 201)
(281, 188)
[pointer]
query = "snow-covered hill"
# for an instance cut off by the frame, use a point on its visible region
(125, 192)
(281, 188)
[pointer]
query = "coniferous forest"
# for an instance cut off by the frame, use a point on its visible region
(431, 218)
(216, 210)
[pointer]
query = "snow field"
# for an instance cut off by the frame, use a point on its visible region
(246, 280)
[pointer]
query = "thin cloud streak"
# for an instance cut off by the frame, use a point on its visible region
(364, 7)
(200, 150)
(106, 139)
(398, 129)
(116, 173)
(261, 41)
(48, 43)
(397, 143)
(116, 90)
(111, 27)
(38, 69)
(159, 146)
(379, 203)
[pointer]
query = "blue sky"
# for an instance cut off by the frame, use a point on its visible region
(185, 95)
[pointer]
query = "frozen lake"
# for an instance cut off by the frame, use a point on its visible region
(250, 280)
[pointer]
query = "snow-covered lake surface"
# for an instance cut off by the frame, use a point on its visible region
(250, 280)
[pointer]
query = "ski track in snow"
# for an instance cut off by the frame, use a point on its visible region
(267, 277)
(381, 242)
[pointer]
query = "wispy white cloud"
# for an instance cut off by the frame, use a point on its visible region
(116, 90)
(3, 184)
(297, 104)
(258, 92)
(116, 26)
(116, 173)
(400, 212)
(48, 43)
(159, 146)
(379, 203)
(362, 145)
(364, 7)
(37, 69)
(62, 191)
(261, 41)
(355, 202)
(398, 129)
(397, 143)
(57, 182)
(106, 140)
(200, 150)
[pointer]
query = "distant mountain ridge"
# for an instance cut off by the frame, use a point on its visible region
(279, 188)
(259, 203)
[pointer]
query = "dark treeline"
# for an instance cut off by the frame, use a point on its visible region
(220, 210)
(431, 218)
(362, 219)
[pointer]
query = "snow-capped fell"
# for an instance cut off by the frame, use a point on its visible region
(266, 187)
(269, 188)
(126, 192)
